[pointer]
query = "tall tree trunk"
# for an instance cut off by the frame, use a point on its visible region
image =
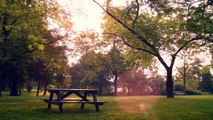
(38, 88)
(20, 91)
(100, 91)
(14, 88)
(0, 88)
(115, 84)
(129, 90)
(45, 89)
(1, 84)
(169, 84)
(184, 73)
(184, 78)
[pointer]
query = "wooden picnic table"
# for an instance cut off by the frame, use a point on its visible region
(62, 94)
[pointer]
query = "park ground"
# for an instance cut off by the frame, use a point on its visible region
(29, 107)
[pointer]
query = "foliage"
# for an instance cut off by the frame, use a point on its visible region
(49, 66)
(137, 82)
(178, 86)
(193, 92)
(200, 21)
(24, 26)
(206, 83)
(110, 55)
(193, 74)
(91, 72)
(165, 30)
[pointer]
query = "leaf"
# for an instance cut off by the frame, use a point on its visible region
(30, 47)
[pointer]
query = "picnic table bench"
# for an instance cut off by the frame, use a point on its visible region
(179, 93)
(62, 94)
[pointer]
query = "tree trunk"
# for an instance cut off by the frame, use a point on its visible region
(0, 88)
(1, 84)
(115, 84)
(45, 89)
(14, 88)
(100, 91)
(169, 84)
(184, 78)
(184, 74)
(20, 91)
(129, 90)
(38, 88)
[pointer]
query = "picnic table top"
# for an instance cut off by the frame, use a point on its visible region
(74, 90)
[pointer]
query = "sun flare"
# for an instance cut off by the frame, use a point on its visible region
(86, 15)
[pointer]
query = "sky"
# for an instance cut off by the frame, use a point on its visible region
(86, 15)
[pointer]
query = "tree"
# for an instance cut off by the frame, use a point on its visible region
(48, 65)
(206, 83)
(15, 37)
(166, 29)
(116, 63)
(24, 25)
(189, 74)
(138, 82)
(113, 58)
(91, 72)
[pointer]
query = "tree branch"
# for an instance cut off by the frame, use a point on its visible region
(141, 38)
(131, 46)
(184, 45)
(137, 13)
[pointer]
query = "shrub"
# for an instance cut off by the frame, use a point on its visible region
(193, 92)
(178, 86)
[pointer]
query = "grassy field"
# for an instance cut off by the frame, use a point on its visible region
(28, 107)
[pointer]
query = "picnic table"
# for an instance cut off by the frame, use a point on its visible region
(62, 94)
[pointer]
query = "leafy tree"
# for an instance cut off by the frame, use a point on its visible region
(90, 72)
(189, 73)
(115, 62)
(48, 65)
(168, 28)
(113, 58)
(206, 83)
(14, 44)
(138, 82)
(24, 25)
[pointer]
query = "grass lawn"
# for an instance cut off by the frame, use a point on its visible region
(28, 107)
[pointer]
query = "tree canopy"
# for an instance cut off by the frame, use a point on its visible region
(160, 28)
(24, 34)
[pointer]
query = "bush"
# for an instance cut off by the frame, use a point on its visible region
(179, 86)
(193, 92)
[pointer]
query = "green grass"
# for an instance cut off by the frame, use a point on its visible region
(28, 107)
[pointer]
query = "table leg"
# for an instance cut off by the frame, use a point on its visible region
(60, 106)
(58, 94)
(84, 98)
(50, 100)
(82, 105)
(97, 107)
(96, 104)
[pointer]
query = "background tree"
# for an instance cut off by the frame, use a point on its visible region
(109, 53)
(24, 25)
(138, 82)
(189, 72)
(167, 29)
(116, 63)
(91, 72)
(206, 82)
